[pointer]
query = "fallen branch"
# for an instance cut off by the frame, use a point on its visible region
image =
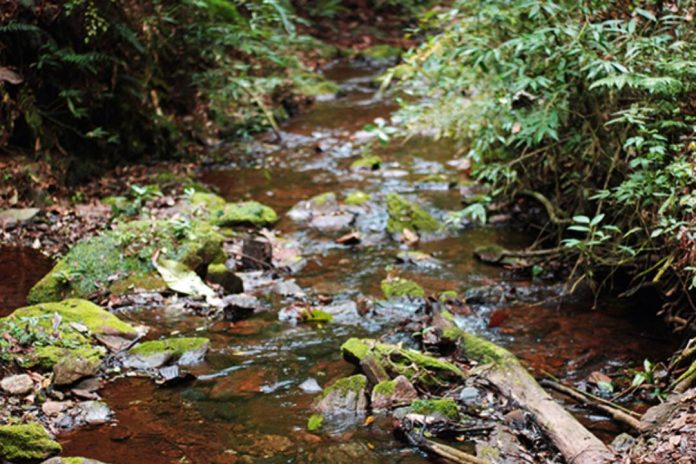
(597, 403)
(502, 369)
(444, 451)
(553, 215)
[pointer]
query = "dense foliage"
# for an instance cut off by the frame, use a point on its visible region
(95, 80)
(588, 107)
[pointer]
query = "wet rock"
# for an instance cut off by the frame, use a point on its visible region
(288, 288)
(487, 295)
(345, 395)
(154, 354)
(343, 312)
(357, 198)
(238, 307)
(397, 287)
(373, 369)
(418, 259)
(304, 211)
(120, 260)
(26, 443)
(352, 238)
(73, 321)
(297, 313)
(17, 384)
(623, 443)
(265, 446)
(332, 222)
(17, 216)
(390, 393)
(345, 453)
(406, 215)
(469, 395)
(381, 54)
(92, 413)
(71, 368)
(219, 274)
(257, 254)
(310, 386)
(53, 408)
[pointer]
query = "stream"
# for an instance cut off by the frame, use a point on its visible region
(247, 404)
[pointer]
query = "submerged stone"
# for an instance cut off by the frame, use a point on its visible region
(345, 395)
(357, 198)
(397, 287)
(406, 215)
(122, 258)
(389, 393)
(370, 163)
(219, 274)
(156, 353)
(26, 443)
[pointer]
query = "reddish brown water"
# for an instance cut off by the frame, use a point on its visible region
(20, 269)
(246, 405)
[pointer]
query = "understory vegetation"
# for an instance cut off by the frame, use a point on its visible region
(587, 108)
(92, 81)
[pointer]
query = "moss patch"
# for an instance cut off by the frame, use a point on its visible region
(314, 85)
(384, 388)
(26, 442)
(406, 215)
(315, 422)
(210, 201)
(121, 258)
(344, 385)
(382, 52)
(446, 408)
(175, 346)
(479, 349)
(244, 213)
(397, 287)
(357, 198)
(370, 162)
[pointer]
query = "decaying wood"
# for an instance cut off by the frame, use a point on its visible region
(443, 451)
(603, 406)
(502, 369)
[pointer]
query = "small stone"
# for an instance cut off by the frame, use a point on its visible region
(53, 408)
(332, 222)
(469, 395)
(14, 216)
(94, 412)
(74, 367)
(390, 393)
(257, 254)
(310, 386)
(219, 274)
(17, 384)
(237, 307)
(346, 395)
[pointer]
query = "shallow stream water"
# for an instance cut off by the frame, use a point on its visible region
(246, 405)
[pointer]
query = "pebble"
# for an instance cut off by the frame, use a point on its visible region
(310, 386)
(17, 384)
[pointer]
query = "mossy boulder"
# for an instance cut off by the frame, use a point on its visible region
(444, 408)
(389, 393)
(368, 163)
(417, 367)
(315, 85)
(209, 201)
(398, 287)
(156, 353)
(357, 198)
(121, 259)
(243, 213)
(404, 214)
(219, 274)
(26, 443)
(61, 332)
(345, 395)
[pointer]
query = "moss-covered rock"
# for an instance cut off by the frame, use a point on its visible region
(357, 198)
(445, 408)
(389, 393)
(62, 331)
(122, 257)
(244, 213)
(414, 365)
(477, 348)
(155, 353)
(347, 394)
(209, 201)
(368, 162)
(26, 443)
(219, 274)
(398, 287)
(406, 215)
(315, 85)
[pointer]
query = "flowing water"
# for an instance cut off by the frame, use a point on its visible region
(246, 405)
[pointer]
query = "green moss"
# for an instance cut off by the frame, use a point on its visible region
(26, 442)
(314, 85)
(397, 287)
(479, 349)
(445, 407)
(125, 253)
(176, 346)
(315, 422)
(370, 162)
(316, 315)
(414, 365)
(344, 385)
(385, 388)
(210, 201)
(382, 52)
(357, 198)
(406, 215)
(244, 213)
(149, 282)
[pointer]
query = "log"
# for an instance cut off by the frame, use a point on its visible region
(504, 371)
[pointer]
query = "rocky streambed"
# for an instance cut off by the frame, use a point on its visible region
(311, 302)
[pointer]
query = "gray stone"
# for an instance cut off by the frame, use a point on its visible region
(17, 216)
(17, 384)
(150, 361)
(93, 412)
(310, 386)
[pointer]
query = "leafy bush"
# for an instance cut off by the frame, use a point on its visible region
(585, 106)
(98, 80)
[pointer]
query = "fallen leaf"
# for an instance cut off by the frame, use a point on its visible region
(181, 279)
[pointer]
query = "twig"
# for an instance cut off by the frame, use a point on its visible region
(550, 209)
(601, 405)
(444, 451)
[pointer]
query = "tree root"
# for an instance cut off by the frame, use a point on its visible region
(551, 211)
